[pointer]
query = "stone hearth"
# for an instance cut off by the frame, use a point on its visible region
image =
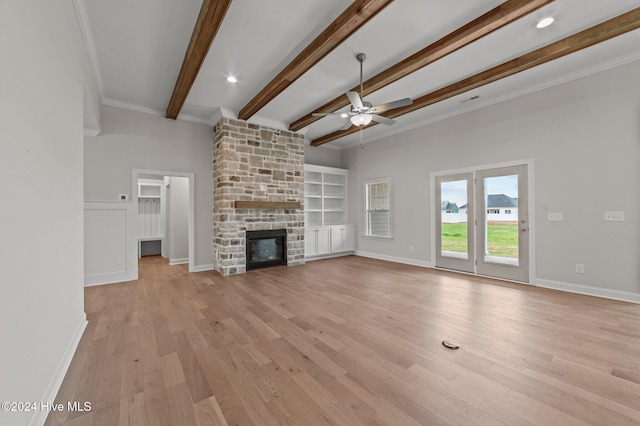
(258, 164)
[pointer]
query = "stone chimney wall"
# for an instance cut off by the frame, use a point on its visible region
(255, 163)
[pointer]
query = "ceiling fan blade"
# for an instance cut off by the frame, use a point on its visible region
(355, 100)
(347, 125)
(383, 120)
(391, 105)
(324, 114)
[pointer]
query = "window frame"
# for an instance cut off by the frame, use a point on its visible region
(367, 230)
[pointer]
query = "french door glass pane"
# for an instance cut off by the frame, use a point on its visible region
(501, 204)
(453, 205)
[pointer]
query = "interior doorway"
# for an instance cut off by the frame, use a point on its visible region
(163, 204)
(482, 223)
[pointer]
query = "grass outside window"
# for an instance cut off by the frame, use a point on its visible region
(502, 238)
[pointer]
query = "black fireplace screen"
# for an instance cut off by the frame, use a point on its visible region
(266, 248)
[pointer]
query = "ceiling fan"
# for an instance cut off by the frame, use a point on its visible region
(362, 112)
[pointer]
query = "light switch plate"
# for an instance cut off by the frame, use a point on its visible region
(123, 197)
(555, 217)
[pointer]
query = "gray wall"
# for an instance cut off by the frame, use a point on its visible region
(137, 140)
(41, 249)
(583, 137)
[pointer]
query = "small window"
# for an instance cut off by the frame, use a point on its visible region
(378, 211)
(507, 211)
(493, 211)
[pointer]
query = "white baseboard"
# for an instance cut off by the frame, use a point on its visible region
(51, 391)
(606, 293)
(203, 268)
(178, 261)
(327, 256)
(414, 262)
(109, 278)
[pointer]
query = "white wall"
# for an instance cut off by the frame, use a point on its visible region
(584, 139)
(178, 219)
(41, 209)
(138, 140)
(322, 156)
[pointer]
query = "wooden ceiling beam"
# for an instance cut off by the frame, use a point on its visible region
(496, 18)
(209, 21)
(607, 30)
(351, 20)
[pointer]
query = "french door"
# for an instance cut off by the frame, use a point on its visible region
(482, 223)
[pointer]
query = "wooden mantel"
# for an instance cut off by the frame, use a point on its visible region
(267, 205)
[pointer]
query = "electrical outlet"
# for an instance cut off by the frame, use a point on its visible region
(555, 217)
(123, 197)
(614, 216)
(579, 268)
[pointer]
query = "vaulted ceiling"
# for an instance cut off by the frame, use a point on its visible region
(292, 58)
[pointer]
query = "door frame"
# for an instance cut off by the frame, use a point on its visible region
(133, 243)
(530, 210)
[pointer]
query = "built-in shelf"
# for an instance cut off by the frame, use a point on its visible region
(325, 195)
(149, 188)
(291, 205)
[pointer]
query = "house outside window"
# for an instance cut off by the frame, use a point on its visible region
(378, 208)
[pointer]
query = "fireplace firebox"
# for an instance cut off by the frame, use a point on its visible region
(266, 248)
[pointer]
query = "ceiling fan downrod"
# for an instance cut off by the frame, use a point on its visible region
(361, 57)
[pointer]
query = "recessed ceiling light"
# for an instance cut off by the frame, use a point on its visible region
(545, 22)
(344, 115)
(232, 79)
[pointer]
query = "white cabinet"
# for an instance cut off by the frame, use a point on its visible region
(317, 241)
(343, 238)
(325, 213)
(324, 241)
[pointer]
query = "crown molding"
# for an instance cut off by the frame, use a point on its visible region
(87, 35)
(92, 132)
(152, 111)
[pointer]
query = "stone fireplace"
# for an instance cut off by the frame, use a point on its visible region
(258, 185)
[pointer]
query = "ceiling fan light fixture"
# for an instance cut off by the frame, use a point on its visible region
(361, 119)
(545, 22)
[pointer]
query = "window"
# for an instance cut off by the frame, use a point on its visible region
(507, 211)
(493, 211)
(378, 212)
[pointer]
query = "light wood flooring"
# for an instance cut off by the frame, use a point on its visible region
(350, 341)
